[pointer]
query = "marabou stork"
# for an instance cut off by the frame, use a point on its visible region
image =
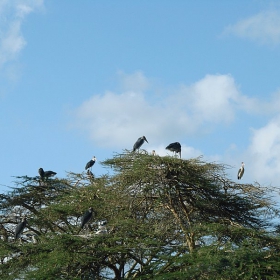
(90, 174)
(20, 227)
(154, 153)
(90, 163)
(87, 217)
(174, 147)
(241, 171)
(139, 143)
(46, 174)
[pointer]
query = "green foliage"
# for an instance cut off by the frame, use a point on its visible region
(167, 219)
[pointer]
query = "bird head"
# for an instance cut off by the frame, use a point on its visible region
(144, 138)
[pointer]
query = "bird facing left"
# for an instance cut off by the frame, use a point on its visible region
(46, 174)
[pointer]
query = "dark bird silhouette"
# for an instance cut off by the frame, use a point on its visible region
(87, 217)
(174, 147)
(90, 174)
(139, 143)
(90, 163)
(46, 174)
(20, 227)
(241, 171)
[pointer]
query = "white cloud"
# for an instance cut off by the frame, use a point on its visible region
(134, 82)
(117, 120)
(213, 97)
(263, 27)
(12, 15)
(264, 152)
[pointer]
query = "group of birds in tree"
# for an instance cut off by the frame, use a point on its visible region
(173, 147)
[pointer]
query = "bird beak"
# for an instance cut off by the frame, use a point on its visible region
(146, 140)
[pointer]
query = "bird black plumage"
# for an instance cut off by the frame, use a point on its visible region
(90, 174)
(90, 163)
(241, 171)
(46, 174)
(87, 217)
(139, 143)
(174, 147)
(20, 227)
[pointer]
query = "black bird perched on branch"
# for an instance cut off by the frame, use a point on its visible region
(139, 143)
(46, 174)
(87, 217)
(20, 227)
(241, 171)
(90, 163)
(174, 147)
(90, 174)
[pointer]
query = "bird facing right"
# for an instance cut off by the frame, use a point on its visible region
(90, 163)
(139, 143)
(174, 147)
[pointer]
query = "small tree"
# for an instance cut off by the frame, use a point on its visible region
(167, 219)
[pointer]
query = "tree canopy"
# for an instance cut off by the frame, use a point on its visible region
(166, 218)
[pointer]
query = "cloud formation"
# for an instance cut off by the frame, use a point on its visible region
(263, 27)
(264, 151)
(12, 15)
(118, 119)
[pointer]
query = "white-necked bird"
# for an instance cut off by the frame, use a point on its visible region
(241, 171)
(90, 163)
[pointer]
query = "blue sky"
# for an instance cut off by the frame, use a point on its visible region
(85, 78)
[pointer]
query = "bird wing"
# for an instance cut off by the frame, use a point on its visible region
(138, 144)
(90, 164)
(240, 172)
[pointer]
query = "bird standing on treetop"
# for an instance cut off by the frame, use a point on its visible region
(20, 227)
(241, 171)
(139, 143)
(46, 174)
(90, 163)
(174, 147)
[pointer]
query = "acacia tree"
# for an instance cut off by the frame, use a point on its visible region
(168, 218)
